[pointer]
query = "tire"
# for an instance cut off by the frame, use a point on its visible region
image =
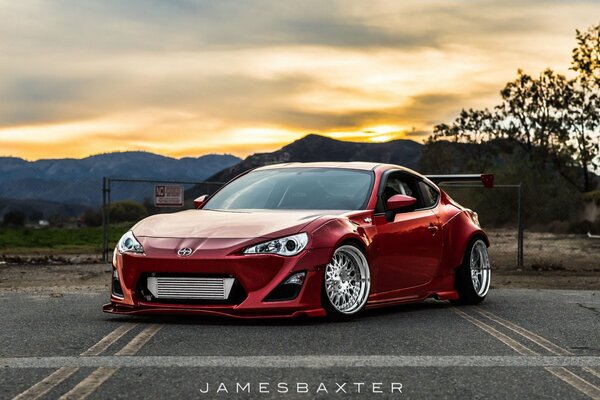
(346, 283)
(474, 276)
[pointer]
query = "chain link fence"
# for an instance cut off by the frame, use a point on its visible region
(501, 220)
(521, 235)
(517, 238)
(128, 200)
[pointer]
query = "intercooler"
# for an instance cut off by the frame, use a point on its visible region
(190, 288)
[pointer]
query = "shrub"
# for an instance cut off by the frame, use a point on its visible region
(582, 227)
(558, 227)
(593, 196)
(14, 218)
(127, 211)
(92, 217)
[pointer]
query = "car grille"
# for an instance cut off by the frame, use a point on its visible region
(189, 288)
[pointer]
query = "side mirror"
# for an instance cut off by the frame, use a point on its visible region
(399, 201)
(199, 202)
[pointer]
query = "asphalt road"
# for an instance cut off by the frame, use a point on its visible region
(518, 344)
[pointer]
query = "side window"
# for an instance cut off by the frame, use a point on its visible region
(430, 195)
(398, 183)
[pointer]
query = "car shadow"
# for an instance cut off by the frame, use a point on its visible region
(395, 310)
(429, 304)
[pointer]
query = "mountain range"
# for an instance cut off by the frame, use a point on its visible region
(320, 148)
(68, 186)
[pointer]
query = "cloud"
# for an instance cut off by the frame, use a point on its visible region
(175, 75)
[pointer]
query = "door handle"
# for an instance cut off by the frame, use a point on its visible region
(432, 229)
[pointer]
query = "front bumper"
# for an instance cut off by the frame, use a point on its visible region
(256, 275)
(115, 308)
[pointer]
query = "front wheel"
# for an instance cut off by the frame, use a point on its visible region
(473, 277)
(346, 283)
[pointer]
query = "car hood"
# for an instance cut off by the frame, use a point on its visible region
(227, 224)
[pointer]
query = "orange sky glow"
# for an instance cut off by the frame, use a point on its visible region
(187, 78)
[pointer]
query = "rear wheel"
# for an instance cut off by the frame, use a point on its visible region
(346, 283)
(474, 276)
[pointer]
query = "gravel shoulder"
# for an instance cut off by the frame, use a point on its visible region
(94, 278)
(55, 279)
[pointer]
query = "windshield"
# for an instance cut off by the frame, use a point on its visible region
(296, 189)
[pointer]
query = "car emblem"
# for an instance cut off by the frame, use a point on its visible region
(186, 251)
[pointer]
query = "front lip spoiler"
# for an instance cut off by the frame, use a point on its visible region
(113, 308)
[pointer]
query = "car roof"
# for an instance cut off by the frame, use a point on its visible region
(367, 166)
(360, 165)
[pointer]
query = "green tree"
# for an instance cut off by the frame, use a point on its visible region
(92, 217)
(555, 119)
(586, 56)
(534, 112)
(518, 104)
(473, 127)
(584, 107)
(14, 218)
(127, 211)
(584, 122)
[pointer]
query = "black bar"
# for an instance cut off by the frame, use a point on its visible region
(458, 185)
(486, 179)
(520, 228)
(107, 217)
(104, 222)
(160, 181)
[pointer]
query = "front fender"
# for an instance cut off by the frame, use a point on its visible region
(333, 232)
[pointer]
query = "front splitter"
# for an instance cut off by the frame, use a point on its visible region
(113, 308)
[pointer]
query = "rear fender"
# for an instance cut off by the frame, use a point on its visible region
(460, 231)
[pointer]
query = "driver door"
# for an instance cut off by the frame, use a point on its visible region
(408, 242)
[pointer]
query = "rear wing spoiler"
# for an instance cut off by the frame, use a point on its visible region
(486, 179)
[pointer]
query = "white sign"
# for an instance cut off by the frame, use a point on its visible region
(168, 196)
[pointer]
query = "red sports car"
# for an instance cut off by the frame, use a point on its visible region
(306, 239)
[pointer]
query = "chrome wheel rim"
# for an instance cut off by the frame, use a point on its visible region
(347, 280)
(481, 271)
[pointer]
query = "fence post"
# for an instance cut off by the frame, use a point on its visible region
(105, 217)
(520, 227)
(108, 182)
(104, 224)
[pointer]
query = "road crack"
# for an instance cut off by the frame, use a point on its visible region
(595, 310)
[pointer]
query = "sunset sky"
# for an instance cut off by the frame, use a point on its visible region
(186, 78)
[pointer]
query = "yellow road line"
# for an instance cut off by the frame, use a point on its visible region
(44, 386)
(535, 338)
(90, 383)
(592, 371)
(562, 373)
(576, 381)
(139, 341)
(513, 344)
(108, 340)
(57, 377)
(100, 375)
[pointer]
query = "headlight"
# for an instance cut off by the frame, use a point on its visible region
(476, 218)
(129, 244)
(287, 246)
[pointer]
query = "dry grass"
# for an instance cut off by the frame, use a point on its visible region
(545, 251)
